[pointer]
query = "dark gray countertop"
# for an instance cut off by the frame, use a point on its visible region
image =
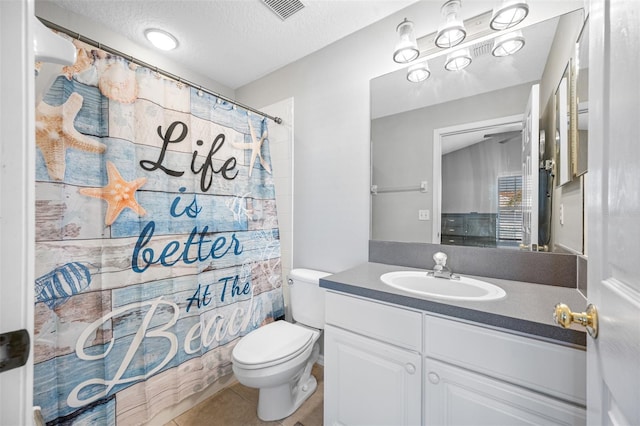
(526, 309)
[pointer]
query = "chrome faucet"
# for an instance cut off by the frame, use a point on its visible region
(441, 270)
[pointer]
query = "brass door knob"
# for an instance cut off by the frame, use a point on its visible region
(563, 316)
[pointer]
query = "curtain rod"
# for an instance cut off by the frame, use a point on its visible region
(108, 49)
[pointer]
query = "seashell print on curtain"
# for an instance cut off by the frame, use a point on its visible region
(157, 243)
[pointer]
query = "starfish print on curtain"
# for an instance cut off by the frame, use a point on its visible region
(119, 194)
(55, 133)
(255, 146)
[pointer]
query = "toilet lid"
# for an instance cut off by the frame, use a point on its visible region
(271, 344)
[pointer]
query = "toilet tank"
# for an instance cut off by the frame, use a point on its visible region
(307, 297)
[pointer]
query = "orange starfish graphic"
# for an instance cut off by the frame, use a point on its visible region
(118, 193)
(55, 133)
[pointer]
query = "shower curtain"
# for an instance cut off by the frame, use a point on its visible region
(157, 241)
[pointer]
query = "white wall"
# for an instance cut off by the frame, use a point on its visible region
(17, 213)
(91, 30)
(331, 172)
(331, 92)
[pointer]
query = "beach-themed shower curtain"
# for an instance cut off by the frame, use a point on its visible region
(157, 241)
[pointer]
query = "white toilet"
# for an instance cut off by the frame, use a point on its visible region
(277, 358)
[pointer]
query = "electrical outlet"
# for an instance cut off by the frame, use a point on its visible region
(561, 214)
(423, 215)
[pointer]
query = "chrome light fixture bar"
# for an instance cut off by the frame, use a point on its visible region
(458, 60)
(509, 14)
(508, 44)
(418, 72)
(407, 47)
(452, 32)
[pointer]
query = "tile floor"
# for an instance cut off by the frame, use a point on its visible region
(236, 406)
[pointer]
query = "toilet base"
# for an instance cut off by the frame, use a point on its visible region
(279, 403)
(282, 401)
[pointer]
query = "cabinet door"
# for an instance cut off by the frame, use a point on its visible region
(455, 396)
(368, 382)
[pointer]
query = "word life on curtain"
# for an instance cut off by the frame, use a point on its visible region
(157, 243)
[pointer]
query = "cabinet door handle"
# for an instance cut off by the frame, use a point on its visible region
(433, 377)
(411, 369)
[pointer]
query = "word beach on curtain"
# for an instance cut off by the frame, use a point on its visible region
(157, 241)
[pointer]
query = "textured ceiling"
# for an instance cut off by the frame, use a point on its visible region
(245, 33)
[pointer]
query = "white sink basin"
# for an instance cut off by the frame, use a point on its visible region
(420, 283)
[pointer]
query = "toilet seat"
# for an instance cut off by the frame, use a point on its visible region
(272, 344)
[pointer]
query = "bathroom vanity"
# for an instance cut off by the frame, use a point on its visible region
(392, 357)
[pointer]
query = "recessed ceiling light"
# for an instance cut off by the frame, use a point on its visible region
(161, 39)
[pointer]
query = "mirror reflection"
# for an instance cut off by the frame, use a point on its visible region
(446, 153)
(582, 100)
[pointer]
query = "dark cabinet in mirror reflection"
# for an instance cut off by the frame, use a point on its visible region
(471, 229)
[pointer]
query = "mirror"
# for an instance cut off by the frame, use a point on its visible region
(492, 93)
(581, 152)
(563, 129)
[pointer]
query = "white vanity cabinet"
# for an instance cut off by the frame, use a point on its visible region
(479, 376)
(373, 365)
(390, 365)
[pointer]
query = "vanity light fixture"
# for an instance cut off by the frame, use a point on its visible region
(161, 39)
(458, 60)
(509, 14)
(407, 47)
(508, 44)
(452, 31)
(418, 72)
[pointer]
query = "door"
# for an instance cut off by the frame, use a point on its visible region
(530, 165)
(369, 382)
(613, 209)
(17, 147)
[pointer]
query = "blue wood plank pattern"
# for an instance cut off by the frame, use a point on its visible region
(89, 169)
(149, 355)
(128, 313)
(114, 261)
(91, 117)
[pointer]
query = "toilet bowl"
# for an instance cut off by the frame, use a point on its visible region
(277, 358)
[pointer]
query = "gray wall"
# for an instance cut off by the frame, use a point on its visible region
(567, 235)
(470, 175)
(332, 137)
(331, 163)
(402, 155)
